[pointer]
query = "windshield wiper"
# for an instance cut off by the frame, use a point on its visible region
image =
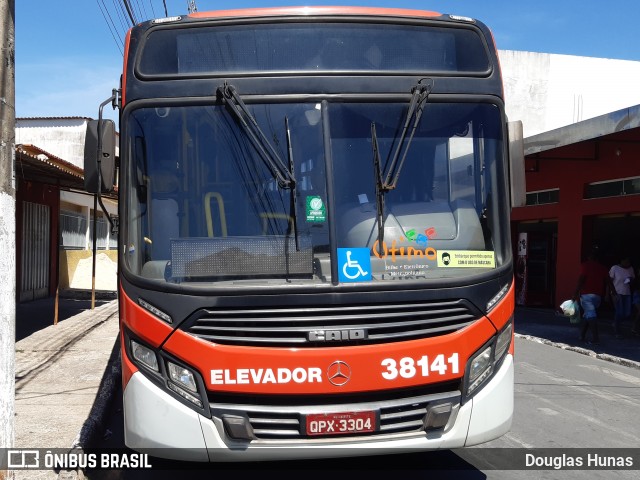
(420, 94)
(292, 173)
(257, 137)
(377, 172)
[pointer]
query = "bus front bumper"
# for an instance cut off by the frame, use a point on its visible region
(157, 424)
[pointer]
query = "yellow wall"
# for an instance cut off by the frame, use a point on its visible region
(76, 269)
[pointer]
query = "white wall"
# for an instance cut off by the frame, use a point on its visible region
(548, 91)
(63, 137)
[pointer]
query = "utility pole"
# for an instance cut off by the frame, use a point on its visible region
(7, 228)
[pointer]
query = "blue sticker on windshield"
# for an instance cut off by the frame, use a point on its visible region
(354, 264)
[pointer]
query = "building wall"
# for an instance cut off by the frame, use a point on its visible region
(76, 270)
(63, 137)
(580, 222)
(549, 91)
(526, 88)
(76, 265)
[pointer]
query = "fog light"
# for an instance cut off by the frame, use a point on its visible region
(238, 427)
(437, 416)
(144, 355)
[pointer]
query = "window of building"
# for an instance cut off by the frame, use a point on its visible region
(613, 188)
(73, 231)
(105, 239)
(543, 197)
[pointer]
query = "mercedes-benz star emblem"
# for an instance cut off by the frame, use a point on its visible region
(339, 373)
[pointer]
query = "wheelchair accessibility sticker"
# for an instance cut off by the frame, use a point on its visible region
(354, 264)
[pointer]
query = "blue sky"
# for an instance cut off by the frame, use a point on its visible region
(68, 59)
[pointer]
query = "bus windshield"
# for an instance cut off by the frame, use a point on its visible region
(206, 206)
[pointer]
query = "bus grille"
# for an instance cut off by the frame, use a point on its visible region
(335, 325)
(402, 416)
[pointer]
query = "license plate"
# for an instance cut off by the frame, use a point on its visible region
(341, 423)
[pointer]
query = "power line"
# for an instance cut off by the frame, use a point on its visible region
(122, 15)
(131, 16)
(164, 2)
(153, 11)
(121, 12)
(110, 23)
(140, 13)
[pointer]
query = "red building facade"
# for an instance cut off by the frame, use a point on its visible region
(583, 189)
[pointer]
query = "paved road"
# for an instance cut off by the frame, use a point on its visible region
(563, 400)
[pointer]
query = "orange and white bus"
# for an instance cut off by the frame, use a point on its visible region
(315, 255)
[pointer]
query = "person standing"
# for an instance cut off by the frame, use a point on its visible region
(590, 291)
(622, 277)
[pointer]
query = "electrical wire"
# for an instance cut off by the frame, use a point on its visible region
(110, 25)
(141, 10)
(119, 8)
(153, 11)
(129, 12)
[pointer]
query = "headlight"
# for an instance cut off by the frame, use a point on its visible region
(144, 355)
(167, 374)
(183, 382)
(182, 377)
(480, 367)
(483, 363)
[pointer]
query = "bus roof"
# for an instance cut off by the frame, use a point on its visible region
(320, 10)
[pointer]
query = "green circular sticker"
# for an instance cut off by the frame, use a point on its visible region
(315, 203)
(315, 210)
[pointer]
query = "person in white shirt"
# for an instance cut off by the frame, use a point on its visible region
(622, 277)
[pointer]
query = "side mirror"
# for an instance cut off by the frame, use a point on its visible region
(101, 134)
(517, 179)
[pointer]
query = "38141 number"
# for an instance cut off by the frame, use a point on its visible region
(408, 367)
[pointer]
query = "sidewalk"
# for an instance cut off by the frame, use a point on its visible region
(546, 326)
(67, 374)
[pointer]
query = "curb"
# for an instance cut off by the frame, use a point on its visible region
(584, 351)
